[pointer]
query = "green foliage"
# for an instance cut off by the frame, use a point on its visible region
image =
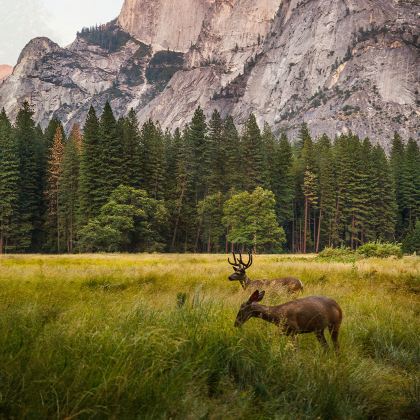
(411, 243)
(210, 214)
(253, 160)
(380, 250)
(337, 254)
(251, 220)
(31, 158)
(89, 170)
(129, 221)
(327, 193)
(9, 181)
(153, 164)
(162, 66)
(109, 37)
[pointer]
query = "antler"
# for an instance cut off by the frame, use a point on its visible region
(249, 263)
(236, 263)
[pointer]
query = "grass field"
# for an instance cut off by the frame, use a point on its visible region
(103, 337)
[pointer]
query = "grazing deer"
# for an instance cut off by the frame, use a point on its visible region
(290, 284)
(306, 315)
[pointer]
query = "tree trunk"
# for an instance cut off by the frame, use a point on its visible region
(352, 232)
(305, 225)
(319, 230)
(181, 200)
(209, 244)
(1, 242)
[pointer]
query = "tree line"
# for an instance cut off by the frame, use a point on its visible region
(115, 186)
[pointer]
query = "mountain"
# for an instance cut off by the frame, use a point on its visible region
(5, 71)
(339, 65)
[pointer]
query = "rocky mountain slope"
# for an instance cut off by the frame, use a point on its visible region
(5, 71)
(337, 64)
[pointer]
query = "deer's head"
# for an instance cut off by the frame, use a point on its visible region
(248, 308)
(240, 267)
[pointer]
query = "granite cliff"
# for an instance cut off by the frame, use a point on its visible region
(339, 65)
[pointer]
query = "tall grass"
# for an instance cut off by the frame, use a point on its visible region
(107, 336)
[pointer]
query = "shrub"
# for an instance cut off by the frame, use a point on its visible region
(411, 242)
(380, 250)
(331, 252)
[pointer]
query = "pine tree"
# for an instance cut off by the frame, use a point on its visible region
(9, 181)
(397, 165)
(197, 142)
(327, 192)
(383, 207)
(30, 192)
(411, 185)
(309, 188)
(89, 170)
(110, 157)
(153, 160)
(210, 213)
(182, 205)
(282, 181)
(270, 150)
(132, 155)
(216, 159)
(69, 188)
(54, 175)
(253, 161)
(233, 156)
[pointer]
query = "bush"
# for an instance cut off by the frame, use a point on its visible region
(411, 242)
(380, 250)
(342, 253)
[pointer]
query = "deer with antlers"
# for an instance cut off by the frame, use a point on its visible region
(307, 315)
(289, 284)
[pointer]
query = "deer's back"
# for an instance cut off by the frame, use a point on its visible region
(291, 284)
(310, 314)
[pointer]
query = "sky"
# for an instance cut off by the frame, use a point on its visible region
(22, 20)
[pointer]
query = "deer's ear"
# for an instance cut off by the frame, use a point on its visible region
(254, 297)
(261, 296)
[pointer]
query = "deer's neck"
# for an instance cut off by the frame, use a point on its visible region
(265, 312)
(245, 282)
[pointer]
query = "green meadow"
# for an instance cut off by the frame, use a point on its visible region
(152, 337)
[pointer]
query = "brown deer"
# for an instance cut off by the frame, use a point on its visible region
(290, 284)
(306, 315)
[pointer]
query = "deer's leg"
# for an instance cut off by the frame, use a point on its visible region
(293, 335)
(334, 336)
(321, 338)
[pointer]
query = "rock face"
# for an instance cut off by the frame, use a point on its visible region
(5, 71)
(339, 65)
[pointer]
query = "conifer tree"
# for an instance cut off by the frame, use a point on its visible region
(182, 205)
(233, 156)
(397, 166)
(30, 192)
(411, 185)
(153, 160)
(197, 142)
(253, 160)
(327, 192)
(54, 176)
(9, 181)
(89, 170)
(110, 165)
(216, 159)
(282, 181)
(270, 164)
(69, 187)
(132, 154)
(382, 206)
(210, 213)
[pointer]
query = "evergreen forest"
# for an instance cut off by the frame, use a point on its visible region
(115, 186)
